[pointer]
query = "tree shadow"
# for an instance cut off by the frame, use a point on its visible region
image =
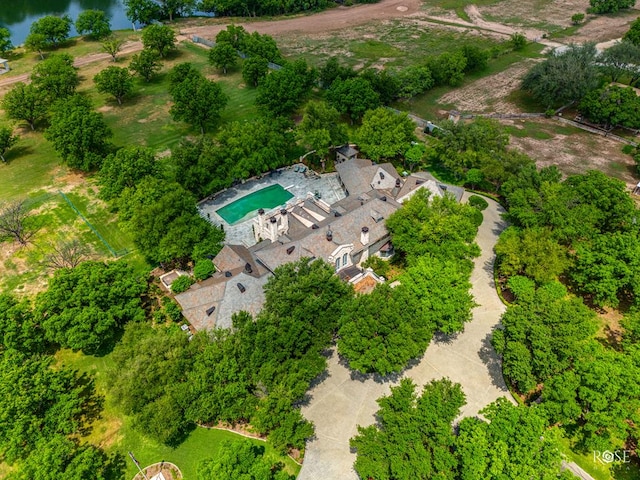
(490, 358)
(16, 152)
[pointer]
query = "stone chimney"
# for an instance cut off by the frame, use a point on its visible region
(261, 218)
(284, 218)
(364, 236)
(273, 228)
(329, 236)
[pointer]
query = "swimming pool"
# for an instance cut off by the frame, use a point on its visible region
(245, 207)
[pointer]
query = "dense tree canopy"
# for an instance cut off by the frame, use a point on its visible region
(78, 133)
(125, 169)
(5, 40)
(612, 106)
(159, 38)
(382, 331)
(385, 134)
(7, 140)
(610, 6)
(282, 91)
(198, 101)
(542, 334)
(223, 56)
(240, 459)
(60, 457)
(440, 227)
(353, 97)
(19, 328)
(115, 81)
(633, 34)
(94, 23)
(164, 223)
(320, 128)
(86, 307)
(532, 252)
(38, 402)
(239, 8)
(56, 76)
(145, 64)
(413, 438)
(620, 60)
(54, 30)
(513, 442)
(142, 11)
(153, 390)
(565, 77)
(26, 102)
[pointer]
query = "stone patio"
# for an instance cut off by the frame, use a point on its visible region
(327, 186)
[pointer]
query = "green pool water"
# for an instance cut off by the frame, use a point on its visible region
(245, 207)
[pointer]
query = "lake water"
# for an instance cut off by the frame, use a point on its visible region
(17, 15)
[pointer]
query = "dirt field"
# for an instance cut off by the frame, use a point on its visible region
(489, 94)
(574, 151)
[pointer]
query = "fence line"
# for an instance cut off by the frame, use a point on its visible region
(211, 43)
(597, 131)
(93, 229)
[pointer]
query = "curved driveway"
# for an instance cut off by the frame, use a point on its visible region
(341, 401)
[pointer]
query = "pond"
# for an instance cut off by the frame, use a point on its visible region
(19, 16)
(245, 207)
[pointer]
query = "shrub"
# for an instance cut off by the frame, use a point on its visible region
(478, 202)
(518, 41)
(577, 18)
(628, 150)
(378, 265)
(203, 269)
(181, 284)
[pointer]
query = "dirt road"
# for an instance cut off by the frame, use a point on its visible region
(128, 47)
(338, 18)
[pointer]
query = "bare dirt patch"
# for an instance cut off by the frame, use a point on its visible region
(576, 153)
(489, 94)
(519, 13)
(604, 27)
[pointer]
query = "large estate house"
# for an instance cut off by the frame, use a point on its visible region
(344, 234)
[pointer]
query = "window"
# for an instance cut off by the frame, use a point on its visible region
(344, 259)
(337, 263)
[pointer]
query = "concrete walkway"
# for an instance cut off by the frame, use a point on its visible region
(341, 400)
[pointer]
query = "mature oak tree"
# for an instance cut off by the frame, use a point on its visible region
(160, 38)
(78, 133)
(56, 76)
(125, 169)
(198, 101)
(85, 307)
(385, 134)
(94, 23)
(115, 81)
(223, 56)
(7, 140)
(146, 64)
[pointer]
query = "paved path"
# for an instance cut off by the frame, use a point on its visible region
(341, 401)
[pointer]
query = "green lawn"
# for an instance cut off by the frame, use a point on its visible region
(31, 166)
(22, 61)
(596, 468)
(144, 119)
(114, 432)
(56, 220)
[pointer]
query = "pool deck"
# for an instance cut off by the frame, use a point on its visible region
(299, 185)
